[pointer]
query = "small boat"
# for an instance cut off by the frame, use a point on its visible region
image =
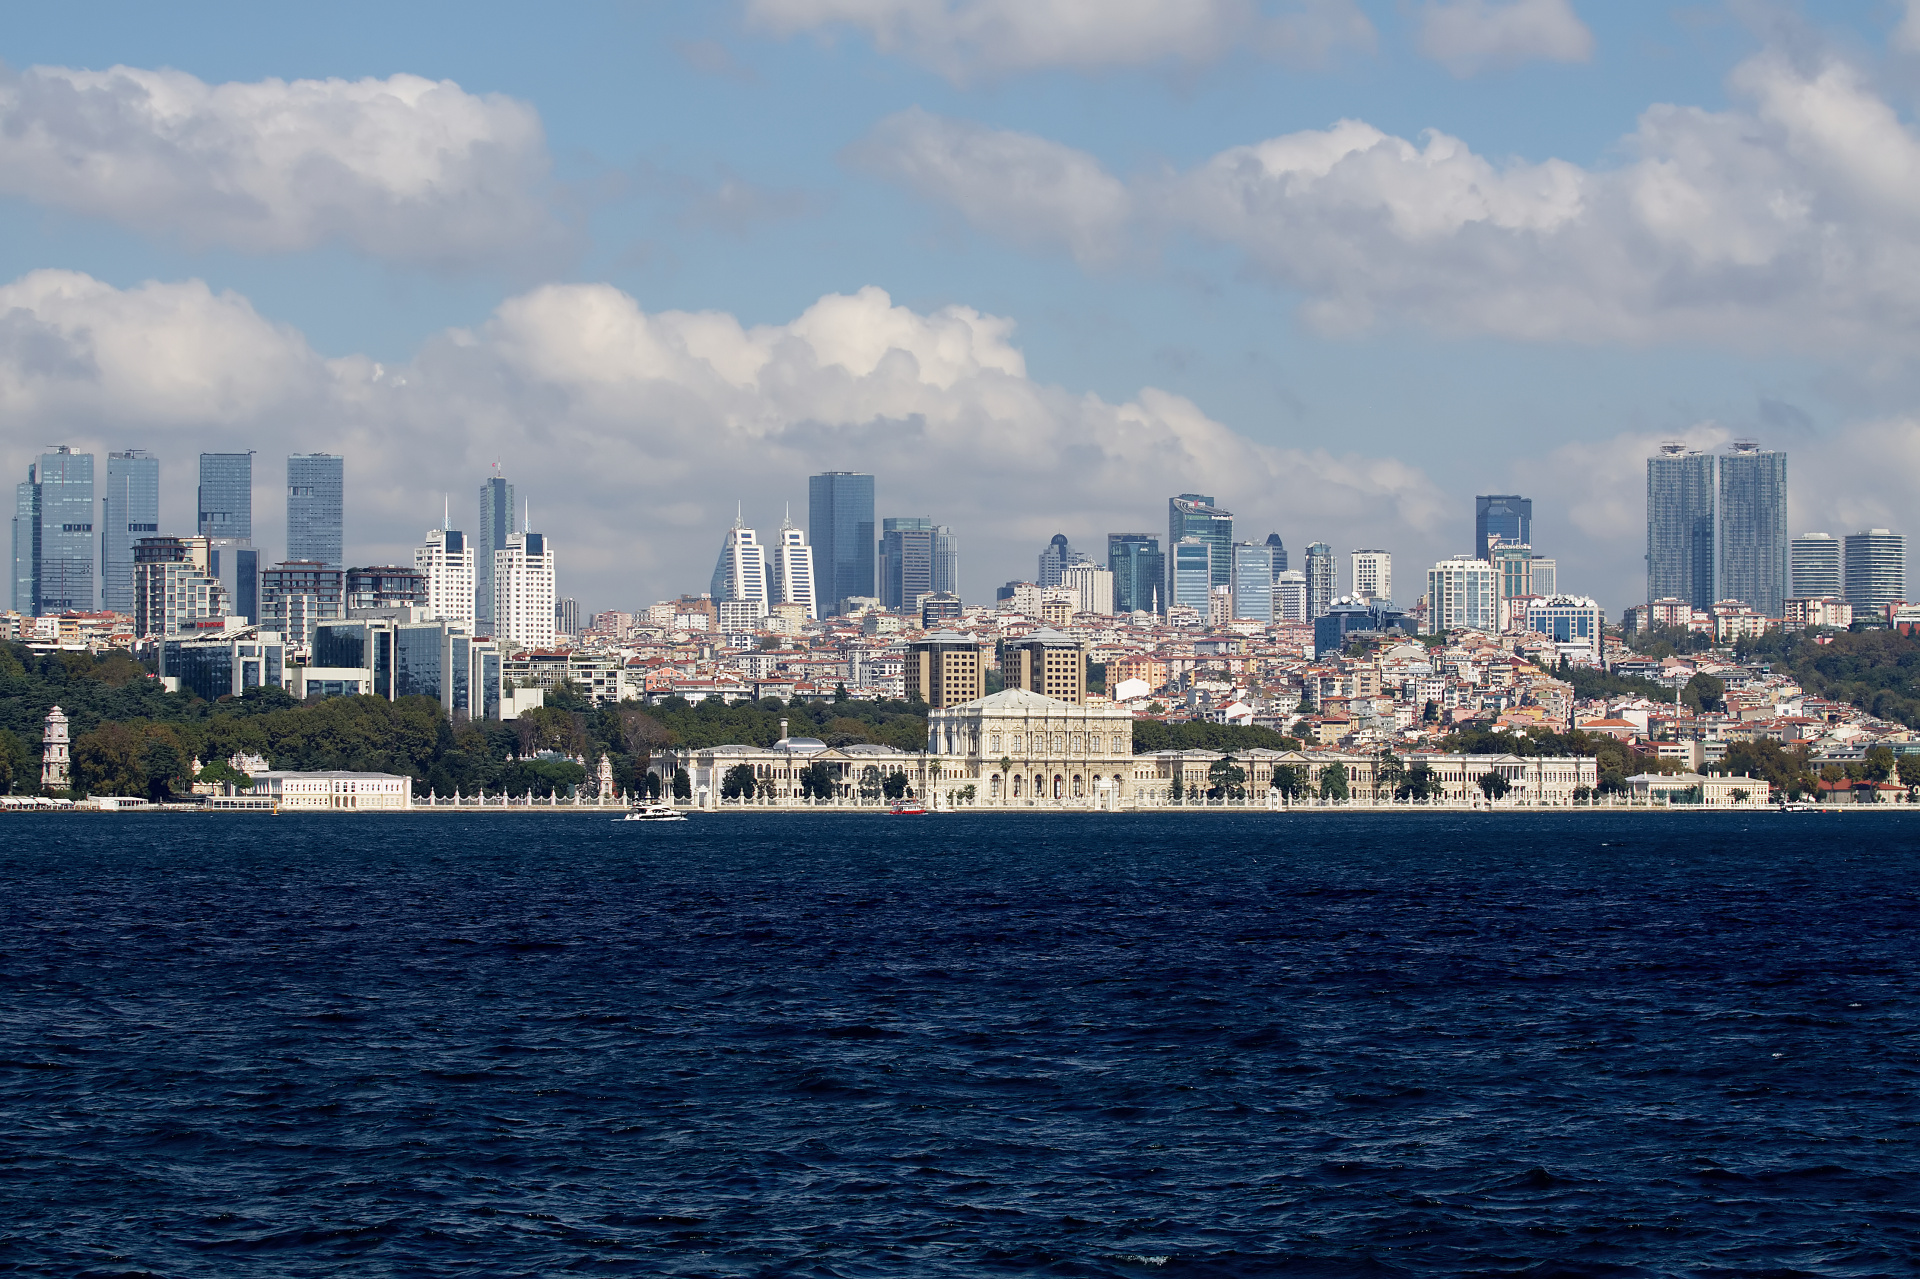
(906, 808)
(654, 813)
(1800, 807)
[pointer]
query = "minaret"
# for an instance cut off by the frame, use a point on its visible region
(53, 752)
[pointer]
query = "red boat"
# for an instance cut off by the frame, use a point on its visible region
(906, 808)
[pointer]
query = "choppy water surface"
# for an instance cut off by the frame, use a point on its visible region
(506, 1045)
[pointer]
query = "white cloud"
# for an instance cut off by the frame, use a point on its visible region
(1906, 35)
(1790, 222)
(1471, 36)
(1027, 189)
(403, 169)
(966, 38)
(634, 433)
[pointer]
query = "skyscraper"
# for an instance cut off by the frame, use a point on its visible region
(1139, 572)
(1461, 594)
(226, 496)
(496, 522)
(1753, 528)
(1680, 525)
(446, 560)
(1195, 515)
(316, 531)
(1055, 558)
(1320, 582)
(129, 511)
(1815, 567)
(1279, 555)
(739, 586)
(1192, 573)
(1876, 569)
(1507, 517)
(1253, 581)
(53, 554)
(1290, 596)
(790, 569)
(523, 573)
(907, 546)
(1372, 575)
(840, 526)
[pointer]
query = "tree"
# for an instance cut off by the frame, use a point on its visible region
(1582, 793)
(18, 769)
(738, 782)
(965, 794)
(642, 735)
(1879, 763)
(895, 786)
(1431, 713)
(1290, 780)
(1705, 693)
(221, 773)
(1494, 786)
(1333, 782)
(682, 785)
(816, 781)
(1420, 783)
(1176, 792)
(651, 785)
(1388, 773)
(1226, 779)
(1739, 795)
(1909, 767)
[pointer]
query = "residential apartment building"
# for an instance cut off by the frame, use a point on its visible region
(1461, 593)
(446, 561)
(523, 591)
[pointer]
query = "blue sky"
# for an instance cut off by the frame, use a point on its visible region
(1127, 249)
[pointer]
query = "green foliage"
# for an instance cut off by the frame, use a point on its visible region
(1419, 783)
(1494, 786)
(1333, 782)
(1785, 771)
(1669, 641)
(709, 723)
(895, 785)
(1877, 670)
(1610, 754)
(1388, 773)
(19, 769)
(1705, 693)
(1150, 736)
(1226, 778)
(1592, 682)
(816, 781)
(738, 782)
(682, 785)
(1290, 780)
(1177, 793)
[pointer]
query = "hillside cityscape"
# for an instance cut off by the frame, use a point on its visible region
(1202, 624)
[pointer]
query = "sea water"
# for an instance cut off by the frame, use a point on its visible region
(839, 1045)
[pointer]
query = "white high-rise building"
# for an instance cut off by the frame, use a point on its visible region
(1815, 570)
(790, 570)
(523, 591)
(1372, 575)
(1290, 596)
(447, 561)
(1092, 585)
(740, 574)
(1461, 593)
(1876, 569)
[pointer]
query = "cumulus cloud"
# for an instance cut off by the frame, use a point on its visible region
(634, 433)
(966, 38)
(1030, 190)
(1792, 220)
(1471, 36)
(403, 169)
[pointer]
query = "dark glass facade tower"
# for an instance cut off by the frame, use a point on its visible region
(496, 521)
(1279, 555)
(316, 527)
(1320, 579)
(63, 576)
(1139, 571)
(129, 511)
(840, 525)
(1505, 517)
(226, 496)
(1680, 525)
(1753, 528)
(906, 561)
(1195, 515)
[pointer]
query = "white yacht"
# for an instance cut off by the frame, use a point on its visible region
(654, 813)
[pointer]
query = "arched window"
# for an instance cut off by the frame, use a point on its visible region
(993, 742)
(1059, 786)
(1099, 744)
(1059, 743)
(1016, 788)
(993, 786)
(1079, 786)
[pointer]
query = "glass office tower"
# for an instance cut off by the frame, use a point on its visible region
(316, 529)
(840, 526)
(1253, 581)
(1279, 555)
(1139, 573)
(1680, 525)
(1753, 528)
(226, 496)
(1504, 517)
(1192, 572)
(1320, 583)
(1195, 515)
(906, 561)
(496, 521)
(1876, 569)
(63, 576)
(129, 511)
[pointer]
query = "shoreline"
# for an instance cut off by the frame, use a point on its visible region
(619, 811)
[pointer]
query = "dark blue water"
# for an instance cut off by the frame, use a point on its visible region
(530, 1045)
